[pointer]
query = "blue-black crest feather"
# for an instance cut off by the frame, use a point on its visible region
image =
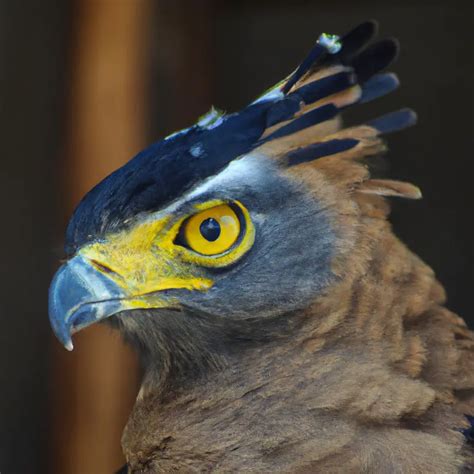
(283, 110)
(375, 58)
(378, 86)
(325, 87)
(317, 53)
(321, 114)
(394, 121)
(357, 39)
(318, 150)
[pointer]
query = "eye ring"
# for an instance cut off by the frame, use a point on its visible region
(213, 231)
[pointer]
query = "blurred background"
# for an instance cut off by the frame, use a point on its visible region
(85, 84)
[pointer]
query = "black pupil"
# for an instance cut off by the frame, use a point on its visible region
(210, 229)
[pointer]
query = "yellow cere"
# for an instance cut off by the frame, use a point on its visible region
(225, 226)
(143, 260)
(146, 258)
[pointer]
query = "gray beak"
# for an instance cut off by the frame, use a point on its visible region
(79, 296)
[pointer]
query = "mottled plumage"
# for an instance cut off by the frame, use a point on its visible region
(317, 342)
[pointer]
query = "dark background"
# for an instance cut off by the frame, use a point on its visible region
(201, 53)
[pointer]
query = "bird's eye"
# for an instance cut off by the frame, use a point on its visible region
(212, 231)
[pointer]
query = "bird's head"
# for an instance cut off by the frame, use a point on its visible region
(249, 241)
(240, 218)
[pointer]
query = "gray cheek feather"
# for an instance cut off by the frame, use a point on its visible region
(290, 262)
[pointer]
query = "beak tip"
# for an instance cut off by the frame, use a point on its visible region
(64, 336)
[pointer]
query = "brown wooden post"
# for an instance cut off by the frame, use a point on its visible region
(96, 383)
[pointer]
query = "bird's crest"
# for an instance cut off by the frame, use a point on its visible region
(294, 122)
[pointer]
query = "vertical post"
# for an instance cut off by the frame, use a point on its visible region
(95, 385)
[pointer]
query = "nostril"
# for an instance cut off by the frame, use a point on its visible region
(101, 267)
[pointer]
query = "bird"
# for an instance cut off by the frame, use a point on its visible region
(281, 324)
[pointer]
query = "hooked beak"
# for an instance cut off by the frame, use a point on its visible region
(101, 281)
(79, 296)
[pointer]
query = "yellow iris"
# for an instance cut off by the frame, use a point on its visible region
(212, 231)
